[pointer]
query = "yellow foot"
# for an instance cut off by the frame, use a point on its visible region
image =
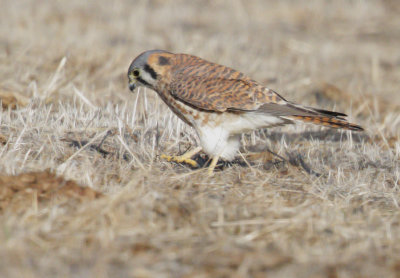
(185, 158)
(214, 161)
(180, 159)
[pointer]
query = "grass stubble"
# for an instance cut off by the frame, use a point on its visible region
(83, 191)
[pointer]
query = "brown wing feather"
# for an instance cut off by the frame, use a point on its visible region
(214, 87)
(214, 94)
(292, 109)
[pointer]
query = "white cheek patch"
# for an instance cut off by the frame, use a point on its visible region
(147, 77)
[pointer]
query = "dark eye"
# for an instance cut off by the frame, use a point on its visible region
(136, 73)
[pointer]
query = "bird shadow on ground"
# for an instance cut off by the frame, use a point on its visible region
(294, 159)
(279, 162)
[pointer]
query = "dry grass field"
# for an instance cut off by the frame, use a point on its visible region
(84, 193)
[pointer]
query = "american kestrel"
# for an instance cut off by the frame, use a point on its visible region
(220, 103)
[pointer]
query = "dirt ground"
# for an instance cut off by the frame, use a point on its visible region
(84, 193)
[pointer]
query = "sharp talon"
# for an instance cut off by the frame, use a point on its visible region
(166, 157)
(190, 162)
(180, 159)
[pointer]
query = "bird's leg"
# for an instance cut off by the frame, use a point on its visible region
(213, 163)
(185, 158)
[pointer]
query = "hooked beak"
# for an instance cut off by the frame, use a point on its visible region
(132, 86)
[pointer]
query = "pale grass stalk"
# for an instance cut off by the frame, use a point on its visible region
(83, 98)
(135, 158)
(56, 76)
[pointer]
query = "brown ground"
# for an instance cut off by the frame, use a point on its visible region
(72, 207)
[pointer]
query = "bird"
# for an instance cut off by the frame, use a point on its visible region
(219, 102)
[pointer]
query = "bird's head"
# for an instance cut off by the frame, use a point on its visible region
(147, 68)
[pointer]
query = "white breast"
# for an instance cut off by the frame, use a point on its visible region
(217, 141)
(221, 135)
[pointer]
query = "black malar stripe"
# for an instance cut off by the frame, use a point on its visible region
(150, 71)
